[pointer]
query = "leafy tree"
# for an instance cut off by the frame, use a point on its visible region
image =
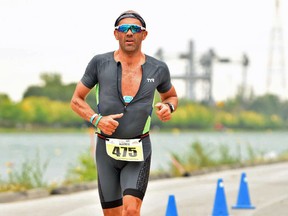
(51, 79)
(50, 87)
(284, 111)
(268, 104)
(4, 98)
(54, 89)
(8, 111)
(41, 110)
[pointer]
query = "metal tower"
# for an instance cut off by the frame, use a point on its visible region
(190, 71)
(190, 76)
(276, 79)
(204, 73)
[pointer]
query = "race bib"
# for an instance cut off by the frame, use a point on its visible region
(125, 149)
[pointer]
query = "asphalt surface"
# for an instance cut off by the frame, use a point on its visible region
(267, 189)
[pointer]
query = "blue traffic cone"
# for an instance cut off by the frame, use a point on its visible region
(220, 205)
(171, 208)
(243, 201)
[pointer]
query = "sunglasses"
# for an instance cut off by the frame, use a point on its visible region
(134, 28)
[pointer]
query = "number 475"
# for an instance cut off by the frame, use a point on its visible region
(122, 151)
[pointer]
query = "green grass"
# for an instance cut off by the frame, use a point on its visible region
(83, 171)
(199, 157)
(29, 175)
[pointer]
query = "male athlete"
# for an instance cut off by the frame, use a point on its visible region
(126, 81)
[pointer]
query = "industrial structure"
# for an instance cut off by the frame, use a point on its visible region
(204, 73)
(276, 77)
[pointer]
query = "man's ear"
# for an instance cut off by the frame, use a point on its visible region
(116, 34)
(145, 33)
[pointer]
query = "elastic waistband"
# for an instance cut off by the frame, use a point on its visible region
(140, 136)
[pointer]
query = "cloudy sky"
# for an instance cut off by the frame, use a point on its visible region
(63, 35)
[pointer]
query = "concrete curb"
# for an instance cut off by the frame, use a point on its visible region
(74, 188)
(7, 197)
(24, 195)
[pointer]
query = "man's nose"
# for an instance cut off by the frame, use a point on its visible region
(129, 31)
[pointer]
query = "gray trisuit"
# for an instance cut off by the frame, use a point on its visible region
(117, 178)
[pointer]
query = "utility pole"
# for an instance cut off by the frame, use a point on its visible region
(276, 79)
(245, 64)
(190, 71)
(206, 61)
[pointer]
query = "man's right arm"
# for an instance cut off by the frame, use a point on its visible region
(107, 124)
(79, 104)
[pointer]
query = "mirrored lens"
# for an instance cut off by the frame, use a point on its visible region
(135, 29)
(125, 28)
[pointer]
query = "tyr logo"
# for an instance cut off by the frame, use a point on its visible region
(150, 79)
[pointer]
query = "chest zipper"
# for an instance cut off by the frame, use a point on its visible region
(119, 79)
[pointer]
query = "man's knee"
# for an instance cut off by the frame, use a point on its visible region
(131, 211)
(131, 205)
(113, 211)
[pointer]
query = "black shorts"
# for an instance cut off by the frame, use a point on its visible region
(118, 178)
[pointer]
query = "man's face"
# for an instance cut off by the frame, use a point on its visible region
(128, 41)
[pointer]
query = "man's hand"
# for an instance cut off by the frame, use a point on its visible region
(108, 125)
(163, 112)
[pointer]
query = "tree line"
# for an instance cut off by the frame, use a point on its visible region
(48, 105)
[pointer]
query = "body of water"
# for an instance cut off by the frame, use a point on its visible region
(63, 149)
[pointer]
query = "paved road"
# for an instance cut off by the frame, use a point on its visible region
(268, 190)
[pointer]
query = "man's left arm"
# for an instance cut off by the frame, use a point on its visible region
(168, 104)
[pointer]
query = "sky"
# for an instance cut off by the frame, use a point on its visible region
(61, 36)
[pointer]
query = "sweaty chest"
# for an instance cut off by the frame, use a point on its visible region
(130, 82)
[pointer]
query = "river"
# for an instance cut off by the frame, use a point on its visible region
(63, 149)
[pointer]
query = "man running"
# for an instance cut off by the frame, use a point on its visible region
(126, 81)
